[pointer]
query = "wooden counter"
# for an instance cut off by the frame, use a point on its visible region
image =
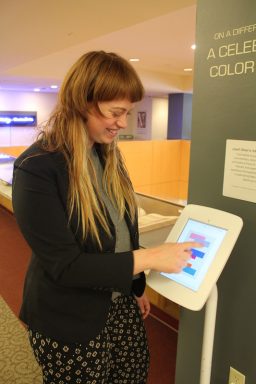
(6, 196)
(6, 190)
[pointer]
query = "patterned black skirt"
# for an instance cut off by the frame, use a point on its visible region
(118, 355)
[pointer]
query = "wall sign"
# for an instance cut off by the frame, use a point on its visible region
(232, 52)
(240, 170)
(18, 118)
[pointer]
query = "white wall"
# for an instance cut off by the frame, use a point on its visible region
(132, 127)
(156, 120)
(159, 118)
(42, 103)
(143, 133)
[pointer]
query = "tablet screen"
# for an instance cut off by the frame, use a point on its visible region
(211, 237)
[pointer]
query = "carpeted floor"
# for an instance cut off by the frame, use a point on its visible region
(162, 338)
(14, 258)
(17, 364)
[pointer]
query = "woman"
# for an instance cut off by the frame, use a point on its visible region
(84, 298)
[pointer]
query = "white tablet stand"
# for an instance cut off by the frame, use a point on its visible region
(196, 286)
(208, 336)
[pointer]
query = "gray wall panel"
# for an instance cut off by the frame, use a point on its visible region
(223, 108)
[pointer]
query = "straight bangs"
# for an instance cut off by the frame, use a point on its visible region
(117, 80)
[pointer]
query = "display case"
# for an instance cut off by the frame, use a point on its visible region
(6, 172)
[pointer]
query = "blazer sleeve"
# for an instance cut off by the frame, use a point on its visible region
(42, 218)
(138, 285)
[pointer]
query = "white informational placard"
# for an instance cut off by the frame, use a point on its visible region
(217, 231)
(240, 170)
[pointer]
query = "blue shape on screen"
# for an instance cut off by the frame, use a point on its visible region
(189, 270)
(196, 253)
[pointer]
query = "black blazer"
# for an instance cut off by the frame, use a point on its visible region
(69, 283)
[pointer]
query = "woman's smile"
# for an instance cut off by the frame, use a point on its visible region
(104, 127)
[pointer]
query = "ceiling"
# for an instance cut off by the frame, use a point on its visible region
(40, 40)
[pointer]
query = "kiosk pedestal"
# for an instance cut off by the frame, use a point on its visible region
(195, 286)
(208, 336)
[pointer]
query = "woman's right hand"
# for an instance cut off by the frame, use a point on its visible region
(168, 257)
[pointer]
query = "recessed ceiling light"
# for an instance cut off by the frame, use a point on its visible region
(37, 89)
(187, 69)
(54, 86)
(193, 46)
(134, 59)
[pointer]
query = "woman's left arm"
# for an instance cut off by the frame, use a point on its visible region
(144, 305)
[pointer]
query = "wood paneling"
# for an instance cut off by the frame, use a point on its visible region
(158, 168)
(13, 151)
(138, 159)
(162, 303)
(5, 201)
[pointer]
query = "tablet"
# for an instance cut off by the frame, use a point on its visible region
(218, 231)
